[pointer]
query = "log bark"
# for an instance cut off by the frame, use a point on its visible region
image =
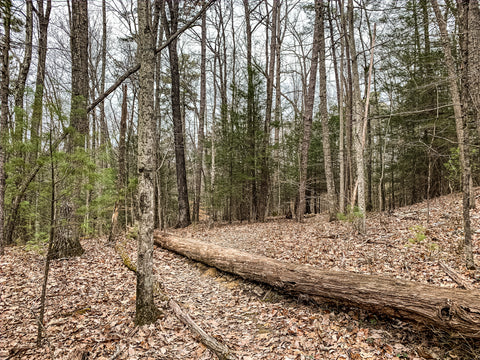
(456, 311)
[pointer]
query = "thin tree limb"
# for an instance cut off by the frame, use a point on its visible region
(136, 67)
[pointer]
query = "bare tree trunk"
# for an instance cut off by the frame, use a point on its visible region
(265, 157)
(201, 119)
(66, 242)
(250, 115)
(308, 111)
(121, 179)
(214, 139)
(40, 328)
(278, 105)
(23, 74)
(104, 138)
(170, 28)
(4, 92)
(340, 104)
(43, 20)
(327, 155)
(462, 134)
(468, 75)
(359, 188)
(474, 59)
(146, 311)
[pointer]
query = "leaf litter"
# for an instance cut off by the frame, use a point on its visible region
(91, 299)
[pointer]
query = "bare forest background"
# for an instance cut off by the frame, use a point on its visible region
(177, 112)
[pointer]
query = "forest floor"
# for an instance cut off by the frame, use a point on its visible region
(91, 299)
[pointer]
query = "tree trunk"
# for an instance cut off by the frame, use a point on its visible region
(265, 157)
(474, 59)
(278, 107)
(170, 28)
(462, 134)
(43, 21)
(66, 242)
(201, 119)
(23, 74)
(454, 310)
(308, 111)
(251, 126)
(468, 75)
(46, 269)
(359, 188)
(327, 155)
(146, 311)
(4, 92)
(104, 137)
(121, 178)
(340, 104)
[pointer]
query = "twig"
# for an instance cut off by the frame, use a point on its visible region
(455, 277)
(219, 349)
(121, 348)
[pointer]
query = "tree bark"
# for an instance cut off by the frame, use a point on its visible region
(357, 123)
(468, 74)
(182, 187)
(66, 242)
(251, 123)
(23, 74)
(339, 75)
(308, 111)
(121, 178)
(265, 156)
(146, 311)
(327, 155)
(4, 92)
(454, 310)
(104, 138)
(474, 59)
(201, 119)
(43, 21)
(462, 134)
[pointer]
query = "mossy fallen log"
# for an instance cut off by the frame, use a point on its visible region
(454, 310)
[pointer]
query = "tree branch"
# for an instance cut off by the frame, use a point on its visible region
(136, 67)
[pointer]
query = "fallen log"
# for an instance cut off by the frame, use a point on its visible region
(456, 311)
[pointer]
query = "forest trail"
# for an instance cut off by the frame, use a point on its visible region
(91, 299)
